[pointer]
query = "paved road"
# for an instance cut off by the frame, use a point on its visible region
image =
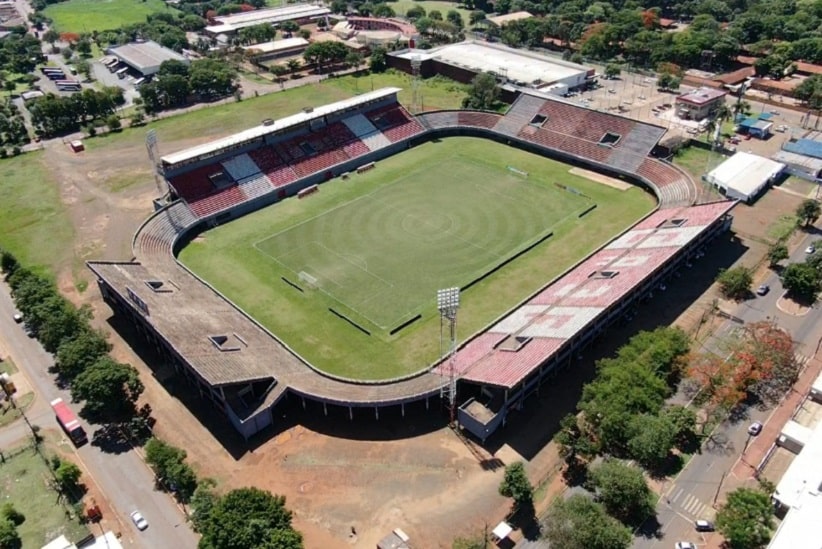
(124, 478)
(691, 495)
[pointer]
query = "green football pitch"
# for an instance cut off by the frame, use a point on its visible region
(375, 247)
(383, 255)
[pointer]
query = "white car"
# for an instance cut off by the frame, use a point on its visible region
(810, 249)
(139, 520)
(684, 545)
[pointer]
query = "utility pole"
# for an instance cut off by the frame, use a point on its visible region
(719, 487)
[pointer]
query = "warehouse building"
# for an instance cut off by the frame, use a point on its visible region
(146, 57)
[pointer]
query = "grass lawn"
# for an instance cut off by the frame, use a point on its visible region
(24, 479)
(698, 162)
(96, 15)
(9, 414)
(216, 121)
(34, 225)
(435, 216)
(402, 7)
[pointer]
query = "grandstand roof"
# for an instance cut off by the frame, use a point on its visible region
(744, 174)
(237, 21)
(145, 57)
(807, 147)
(534, 332)
(256, 132)
(517, 65)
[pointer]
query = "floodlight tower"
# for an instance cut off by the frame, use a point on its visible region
(154, 156)
(416, 101)
(448, 301)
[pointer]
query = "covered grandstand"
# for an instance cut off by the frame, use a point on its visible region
(246, 370)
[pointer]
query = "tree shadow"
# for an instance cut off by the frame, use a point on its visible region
(575, 472)
(670, 466)
(111, 439)
(650, 529)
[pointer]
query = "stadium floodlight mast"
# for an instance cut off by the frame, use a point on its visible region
(448, 302)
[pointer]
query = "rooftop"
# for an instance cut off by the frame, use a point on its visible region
(805, 147)
(145, 55)
(517, 65)
(277, 45)
(170, 160)
(700, 96)
(745, 172)
(500, 20)
(237, 21)
(537, 330)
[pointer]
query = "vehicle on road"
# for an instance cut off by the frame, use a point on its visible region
(763, 289)
(702, 525)
(684, 545)
(69, 422)
(810, 249)
(139, 520)
(754, 428)
(18, 318)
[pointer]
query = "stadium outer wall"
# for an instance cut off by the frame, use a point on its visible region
(431, 384)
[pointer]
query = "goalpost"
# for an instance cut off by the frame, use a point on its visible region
(308, 280)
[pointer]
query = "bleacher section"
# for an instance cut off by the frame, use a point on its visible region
(240, 167)
(370, 136)
(394, 122)
(580, 132)
(255, 185)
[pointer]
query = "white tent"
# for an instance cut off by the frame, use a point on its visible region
(743, 176)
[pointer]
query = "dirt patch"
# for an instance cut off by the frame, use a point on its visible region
(599, 178)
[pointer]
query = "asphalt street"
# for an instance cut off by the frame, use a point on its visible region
(124, 478)
(692, 494)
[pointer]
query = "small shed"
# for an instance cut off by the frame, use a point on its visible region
(501, 531)
(77, 146)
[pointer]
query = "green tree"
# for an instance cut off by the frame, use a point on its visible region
(802, 281)
(415, 12)
(290, 26)
(113, 123)
(353, 59)
(67, 475)
(8, 263)
(202, 502)
(51, 36)
(810, 91)
(110, 389)
(249, 517)
(515, 485)
(476, 17)
(455, 18)
(579, 523)
(168, 464)
(683, 420)
(573, 441)
(735, 283)
(383, 10)
(776, 253)
(652, 439)
(612, 70)
(483, 92)
(746, 520)
(9, 513)
(9, 537)
(293, 65)
(623, 491)
(808, 211)
(378, 62)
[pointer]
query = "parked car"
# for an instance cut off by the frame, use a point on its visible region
(763, 289)
(684, 545)
(18, 318)
(139, 520)
(810, 249)
(702, 525)
(754, 428)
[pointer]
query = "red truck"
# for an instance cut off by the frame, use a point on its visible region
(69, 422)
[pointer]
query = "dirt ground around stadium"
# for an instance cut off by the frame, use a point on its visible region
(372, 476)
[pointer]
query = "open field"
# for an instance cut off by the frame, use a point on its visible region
(24, 481)
(33, 223)
(698, 162)
(226, 257)
(86, 16)
(402, 7)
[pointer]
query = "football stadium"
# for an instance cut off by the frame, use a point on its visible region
(302, 258)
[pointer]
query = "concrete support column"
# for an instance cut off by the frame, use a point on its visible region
(351, 413)
(325, 408)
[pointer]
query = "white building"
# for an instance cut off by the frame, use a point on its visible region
(800, 492)
(300, 13)
(744, 176)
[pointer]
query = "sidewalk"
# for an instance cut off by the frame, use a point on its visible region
(743, 473)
